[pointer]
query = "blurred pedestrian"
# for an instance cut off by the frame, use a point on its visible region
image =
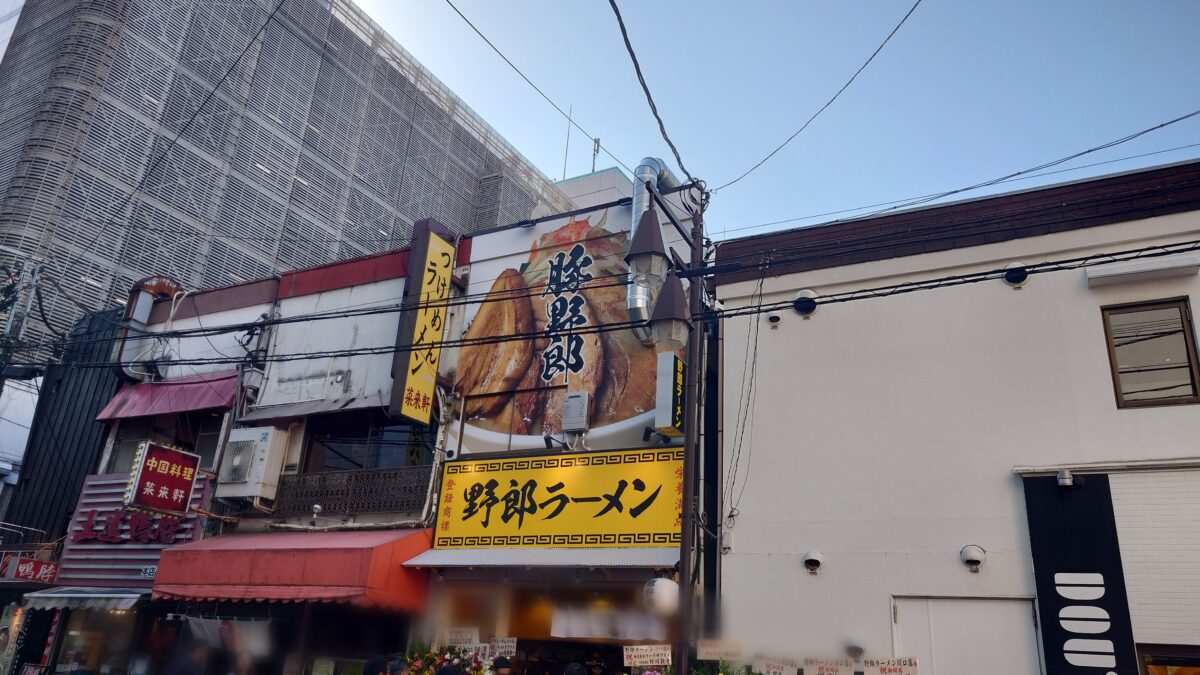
(243, 664)
(190, 661)
(377, 666)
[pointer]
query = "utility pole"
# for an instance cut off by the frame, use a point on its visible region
(691, 448)
(18, 311)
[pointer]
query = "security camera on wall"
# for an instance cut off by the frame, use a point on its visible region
(813, 561)
(805, 303)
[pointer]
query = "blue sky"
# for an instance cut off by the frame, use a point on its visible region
(966, 91)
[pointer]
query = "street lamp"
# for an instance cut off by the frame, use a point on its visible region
(670, 321)
(647, 258)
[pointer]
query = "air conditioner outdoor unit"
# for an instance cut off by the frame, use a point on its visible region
(252, 463)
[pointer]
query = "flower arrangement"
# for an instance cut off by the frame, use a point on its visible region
(427, 661)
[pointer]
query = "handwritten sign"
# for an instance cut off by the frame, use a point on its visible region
(838, 666)
(162, 479)
(647, 655)
(482, 651)
(462, 637)
(504, 646)
(718, 650)
(766, 665)
(896, 666)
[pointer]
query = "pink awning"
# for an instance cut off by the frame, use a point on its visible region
(194, 392)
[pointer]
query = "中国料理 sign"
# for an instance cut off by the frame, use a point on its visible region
(589, 499)
(162, 479)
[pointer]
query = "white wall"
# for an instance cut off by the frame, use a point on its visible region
(883, 432)
(598, 187)
(340, 377)
(1158, 525)
(219, 346)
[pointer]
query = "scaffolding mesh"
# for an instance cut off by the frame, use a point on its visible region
(328, 140)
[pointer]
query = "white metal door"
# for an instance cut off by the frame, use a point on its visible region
(980, 636)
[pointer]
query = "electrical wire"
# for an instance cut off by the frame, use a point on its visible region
(891, 241)
(906, 199)
(745, 403)
(828, 103)
(536, 88)
(342, 313)
(1056, 162)
(41, 309)
(1153, 251)
(637, 67)
(1157, 250)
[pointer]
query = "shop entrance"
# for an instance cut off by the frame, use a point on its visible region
(556, 625)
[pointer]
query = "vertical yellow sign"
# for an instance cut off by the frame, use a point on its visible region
(429, 325)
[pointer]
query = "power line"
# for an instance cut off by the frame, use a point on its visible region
(1010, 180)
(637, 67)
(1015, 174)
(1157, 250)
(619, 280)
(1154, 251)
(536, 88)
(889, 241)
(1056, 162)
(828, 103)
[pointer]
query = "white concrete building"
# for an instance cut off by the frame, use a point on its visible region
(883, 435)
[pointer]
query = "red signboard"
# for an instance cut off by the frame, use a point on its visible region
(112, 545)
(162, 479)
(40, 571)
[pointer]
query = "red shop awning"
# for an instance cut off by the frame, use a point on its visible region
(361, 568)
(195, 392)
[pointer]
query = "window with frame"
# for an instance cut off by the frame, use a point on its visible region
(1152, 352)
(366, 439)
(198, 431)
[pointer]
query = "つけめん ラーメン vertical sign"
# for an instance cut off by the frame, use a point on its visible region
(1082, 606)
(422, 325)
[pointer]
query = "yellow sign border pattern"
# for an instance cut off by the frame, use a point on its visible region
(467, 467)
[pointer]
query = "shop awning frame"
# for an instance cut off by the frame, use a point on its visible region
(632, 557)
(363, 568)
(85, 597)
(182, 394)
(285, 411)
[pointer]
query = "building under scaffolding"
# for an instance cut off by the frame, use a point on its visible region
(326, 141)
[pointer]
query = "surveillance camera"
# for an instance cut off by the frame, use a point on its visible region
(316, 509)
(774, 318)
(972, 556)
(1016, 274)
(812, 561)
(855, 650)
(805, 302)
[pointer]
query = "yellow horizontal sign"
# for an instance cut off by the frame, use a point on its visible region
(588, 499)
